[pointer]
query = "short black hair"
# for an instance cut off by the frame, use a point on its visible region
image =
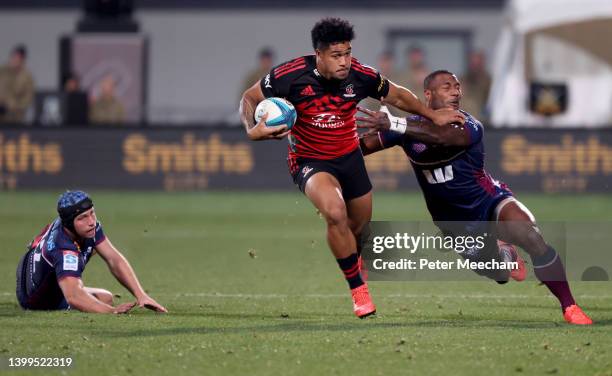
(331, 30)
(71, 76)
(266, 52)
(432, 76)
(21, 49)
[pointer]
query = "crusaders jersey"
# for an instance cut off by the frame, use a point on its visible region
(325, 126)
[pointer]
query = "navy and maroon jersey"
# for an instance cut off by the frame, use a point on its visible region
(453, 179)
(53, 255)
(325, 126)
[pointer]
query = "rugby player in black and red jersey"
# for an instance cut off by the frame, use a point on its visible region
(325, 160)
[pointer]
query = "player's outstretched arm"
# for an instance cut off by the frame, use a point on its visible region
(257, 131)
(404, 99)
(420, 130)
(78, 298)
(370, 143)
(122, 270)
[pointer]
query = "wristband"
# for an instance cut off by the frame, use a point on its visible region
(398, 124)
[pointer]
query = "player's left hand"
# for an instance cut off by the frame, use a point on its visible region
(446, 116)
(149, 303)
(261, 131)
(374, 121)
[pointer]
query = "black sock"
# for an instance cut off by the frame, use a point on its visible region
(350, 268)
(549, 269)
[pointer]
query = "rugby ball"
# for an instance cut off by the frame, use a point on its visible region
(280, 112)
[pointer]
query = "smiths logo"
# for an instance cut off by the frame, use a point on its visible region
(349, 92)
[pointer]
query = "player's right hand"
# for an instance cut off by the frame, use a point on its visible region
(262, 132)
(446, 116)
(124, 308)
(150, 303)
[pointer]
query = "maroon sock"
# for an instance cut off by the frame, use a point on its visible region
(350, 268)
(549, 269)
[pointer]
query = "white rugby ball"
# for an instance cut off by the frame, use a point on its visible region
(280, 112)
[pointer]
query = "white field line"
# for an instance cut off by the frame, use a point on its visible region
(391, 296)
(336, 296)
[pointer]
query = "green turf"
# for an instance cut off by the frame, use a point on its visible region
(287, 311)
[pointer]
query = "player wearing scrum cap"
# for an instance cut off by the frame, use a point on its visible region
(49, 274)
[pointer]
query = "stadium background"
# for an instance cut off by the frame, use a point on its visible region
(183, 183)
(186, 77)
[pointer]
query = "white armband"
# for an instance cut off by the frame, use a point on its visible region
(398, 124)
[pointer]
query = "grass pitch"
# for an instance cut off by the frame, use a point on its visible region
(252, 288)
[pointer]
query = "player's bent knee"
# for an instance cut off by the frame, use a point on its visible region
(526, 212)
(105, 297)
(513, 210)
(335, 215)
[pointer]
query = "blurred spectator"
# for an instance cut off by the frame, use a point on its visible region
(76, 104)
(264, 65)
(16, 87)
(415, 72)
(475, 85)
(386, 67)
(72, 83)
(386, 63)
(106, 108)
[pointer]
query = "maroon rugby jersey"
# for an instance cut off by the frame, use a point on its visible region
(325, 126)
